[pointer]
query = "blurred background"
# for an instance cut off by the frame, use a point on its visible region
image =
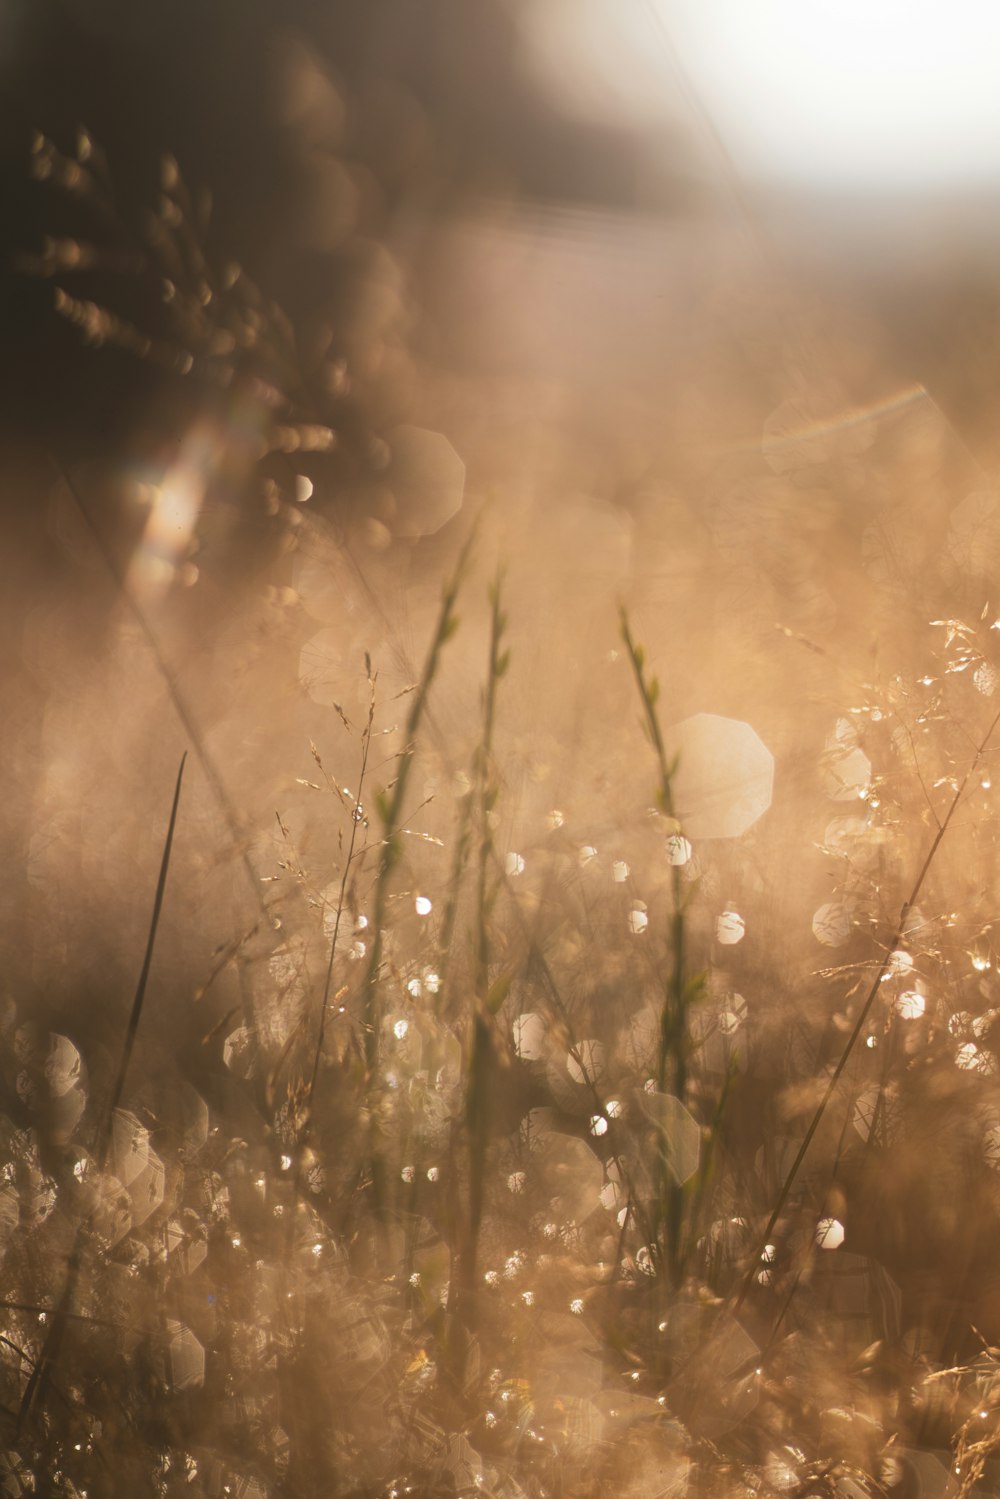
(688, 304)
(847, 155)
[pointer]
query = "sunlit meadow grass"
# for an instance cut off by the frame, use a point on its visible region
(491, 1232)
(518, 1178)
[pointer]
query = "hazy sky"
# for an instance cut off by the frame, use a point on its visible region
(853, 92)
(844, 93)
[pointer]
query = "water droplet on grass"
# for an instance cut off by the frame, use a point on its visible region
(678, 850)
(730, 928)
(829, 1233)
(910, 1005)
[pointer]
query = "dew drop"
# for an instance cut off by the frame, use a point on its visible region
(829, 1233)
(678, 850)
(730, 928)
(910, 1005)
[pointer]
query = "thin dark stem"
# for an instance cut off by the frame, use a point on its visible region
(41, 1374)
(463, 840)
(177, 698)
(103, 1139)
(477, 1100)
(392, 809)
(866, 1009)
(356, 819)
(673, 1039)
